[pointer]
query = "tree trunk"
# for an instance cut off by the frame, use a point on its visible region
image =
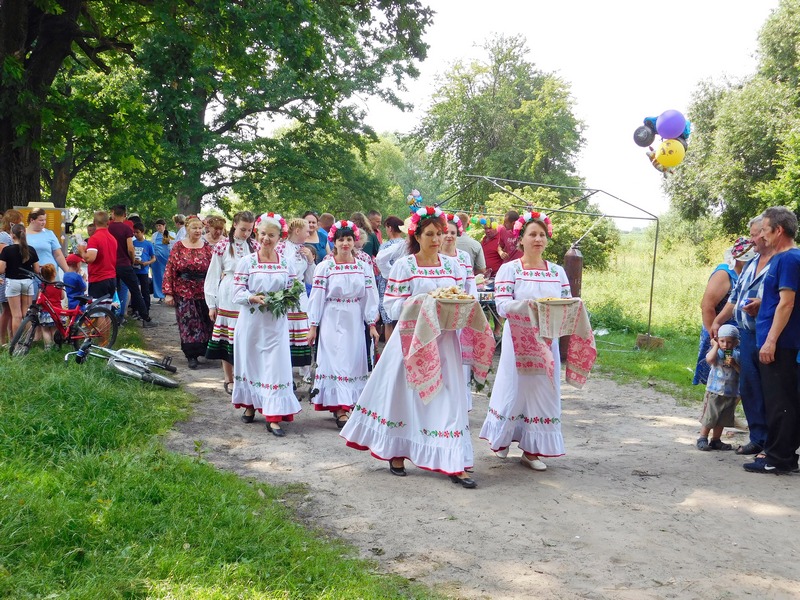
(33, 46)
(61, 178)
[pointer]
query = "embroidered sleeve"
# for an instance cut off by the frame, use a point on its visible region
(371, 300)
(241, 278)
(398, 288)
(319, 291)
(504, 286)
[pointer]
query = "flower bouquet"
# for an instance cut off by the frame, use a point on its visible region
(283, 301)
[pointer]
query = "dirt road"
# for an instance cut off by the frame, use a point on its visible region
(632, 511)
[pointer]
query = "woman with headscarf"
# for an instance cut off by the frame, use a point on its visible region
(722, 280)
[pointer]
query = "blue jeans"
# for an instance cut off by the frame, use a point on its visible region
(750, 387)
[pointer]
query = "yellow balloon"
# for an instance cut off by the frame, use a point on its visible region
(670, 153)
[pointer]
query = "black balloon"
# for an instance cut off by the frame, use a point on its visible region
(644, 136)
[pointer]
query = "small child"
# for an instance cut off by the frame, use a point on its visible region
(73, 280)
(722, 389)
(55, 296)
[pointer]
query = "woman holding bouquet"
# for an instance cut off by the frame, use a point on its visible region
(343, 298)
(390, 419)
(219, 291)
(262, 367)
(527, 408)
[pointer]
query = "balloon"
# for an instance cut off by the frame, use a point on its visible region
(670, 124)
(644, 136)
(483, 221)
(670, 153)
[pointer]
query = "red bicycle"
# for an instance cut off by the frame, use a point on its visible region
(90, 320)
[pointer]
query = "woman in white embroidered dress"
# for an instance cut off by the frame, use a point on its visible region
(527, 408)
(301, 259)
(263, 368)
(390, 419)
(219, 291)
(343, 298)
(453, 231)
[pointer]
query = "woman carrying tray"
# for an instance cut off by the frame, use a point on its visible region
(527, 408)
(390, 419)
(343, 298)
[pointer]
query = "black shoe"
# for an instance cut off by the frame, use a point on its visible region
(276, 431)
(249, 418)
(399, 471)
(760, 465)
(466, 482)
(749, 448)
(193, 364)
(717, 444)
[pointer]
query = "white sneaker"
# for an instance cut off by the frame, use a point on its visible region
(534, 464)
(502, 453)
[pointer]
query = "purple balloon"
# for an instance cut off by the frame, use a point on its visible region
(670, 124)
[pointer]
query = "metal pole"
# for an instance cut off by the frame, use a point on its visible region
(652, 281)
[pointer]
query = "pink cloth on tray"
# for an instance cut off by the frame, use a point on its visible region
(531, 321)
(422, 321)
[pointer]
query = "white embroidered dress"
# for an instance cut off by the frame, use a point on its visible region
(298, 321)
(262, 370)
(389, 419)
(343, 298)
(525, 408)
(467, 282)
(218, 289)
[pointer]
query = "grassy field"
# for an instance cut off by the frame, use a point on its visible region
(93, 506)
(618, 300)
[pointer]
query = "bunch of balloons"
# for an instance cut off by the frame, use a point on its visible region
(674, 130)
(480, 221)
(414, 200)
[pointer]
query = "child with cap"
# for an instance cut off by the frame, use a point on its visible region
(73, 280)
(722, 389)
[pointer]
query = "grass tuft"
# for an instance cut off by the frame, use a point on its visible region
(93, 506)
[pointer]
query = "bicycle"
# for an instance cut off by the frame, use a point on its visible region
(128, 363)
(90, 320)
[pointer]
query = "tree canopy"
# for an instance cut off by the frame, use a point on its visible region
(504, 118)
(743, 150)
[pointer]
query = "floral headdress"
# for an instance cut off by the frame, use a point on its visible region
(529, 216)
(337, 225)
(451, 218)
(274, 219)
(426, 212)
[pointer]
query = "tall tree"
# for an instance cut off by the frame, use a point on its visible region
(502, 117)
(35, 39)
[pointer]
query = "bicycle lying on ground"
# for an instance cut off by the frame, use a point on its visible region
(91, 320)
(128, 363)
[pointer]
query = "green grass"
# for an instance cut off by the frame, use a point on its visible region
(618, 300)
(93, 506)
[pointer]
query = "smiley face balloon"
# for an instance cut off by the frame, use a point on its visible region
(670, 153)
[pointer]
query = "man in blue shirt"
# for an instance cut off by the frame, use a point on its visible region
(778, 339)
(144, 256)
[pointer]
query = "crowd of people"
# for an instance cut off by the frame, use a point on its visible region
(349, 279)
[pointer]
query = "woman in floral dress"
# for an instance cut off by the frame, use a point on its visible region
(219, 291)
(262, 369)
(390, 419)
(184, 278)
(527, 408)
(343, 298)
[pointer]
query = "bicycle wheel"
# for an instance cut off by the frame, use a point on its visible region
(97, 323)
(134, 371)
(23, 338)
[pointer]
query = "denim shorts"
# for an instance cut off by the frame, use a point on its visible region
(19, 287)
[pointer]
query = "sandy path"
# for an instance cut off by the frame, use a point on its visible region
(632, 511)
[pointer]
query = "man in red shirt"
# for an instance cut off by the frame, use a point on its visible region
(125, 255)
(508, 247)
(100, 252)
